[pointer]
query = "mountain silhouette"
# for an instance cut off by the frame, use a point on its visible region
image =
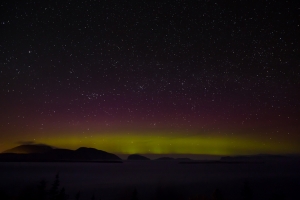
(172, 159)
(260, 157)
(165, 159)
(137, 157)
(95, 154)
(29, 148)
(44, 153)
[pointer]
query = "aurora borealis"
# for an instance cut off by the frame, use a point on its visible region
(151, 77)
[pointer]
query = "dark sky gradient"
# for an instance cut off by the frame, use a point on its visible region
(208, 77)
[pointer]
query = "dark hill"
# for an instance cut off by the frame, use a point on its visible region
(43, 153)
(94, 154)
(261, 158)
(137, 157)
(164, 159)
(61, 154)
(25, 149)
(172, 159)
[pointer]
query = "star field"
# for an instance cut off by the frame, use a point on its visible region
(131, 73)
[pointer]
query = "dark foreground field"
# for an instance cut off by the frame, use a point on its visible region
(145, 180)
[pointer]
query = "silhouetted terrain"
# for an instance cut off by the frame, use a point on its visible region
(43, 153)
(174, 159)
(29, 148)
(137, 157)
(261, 158)
(165, 159)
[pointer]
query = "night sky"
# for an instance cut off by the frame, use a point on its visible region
(151, 77)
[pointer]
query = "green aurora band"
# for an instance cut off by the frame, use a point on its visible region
(175, 143)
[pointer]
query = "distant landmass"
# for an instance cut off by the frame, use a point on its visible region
(249, 159)
(44, 153)
(260, 158)
(29, 148)
(165, 159)
(137, 157)
(172, 159)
